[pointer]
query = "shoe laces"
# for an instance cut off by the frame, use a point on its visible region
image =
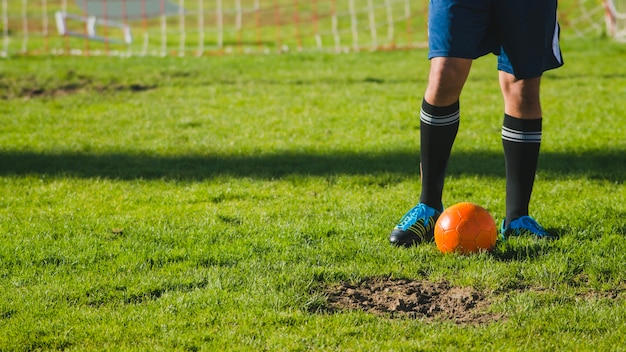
(529, 224)
(420, 211)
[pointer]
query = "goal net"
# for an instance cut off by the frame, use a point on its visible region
(205, 27)
(215, 27)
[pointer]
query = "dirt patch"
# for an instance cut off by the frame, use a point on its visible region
(30, 88)
(413, 299)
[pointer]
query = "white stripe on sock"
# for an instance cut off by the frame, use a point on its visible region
(512, 135)
(439, 120)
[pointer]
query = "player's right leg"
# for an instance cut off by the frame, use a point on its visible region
(452, 46)
(439, 123)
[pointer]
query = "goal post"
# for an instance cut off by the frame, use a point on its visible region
(90, 24)
(615, 14)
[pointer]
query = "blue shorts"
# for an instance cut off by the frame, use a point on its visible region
(523, 33)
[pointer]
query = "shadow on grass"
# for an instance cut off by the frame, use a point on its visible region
(607, 164)
(524, 247)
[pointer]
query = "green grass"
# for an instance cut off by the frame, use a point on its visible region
(206, 203)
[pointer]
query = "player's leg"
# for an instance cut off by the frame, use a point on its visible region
(530, 34)
(521, 96)
(458, 33)
(439, 123)
(521, 140)
(446, 79)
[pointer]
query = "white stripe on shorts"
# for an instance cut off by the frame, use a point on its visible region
(556, 50)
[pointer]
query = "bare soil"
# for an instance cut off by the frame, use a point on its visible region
(29, 88)
(401, 298)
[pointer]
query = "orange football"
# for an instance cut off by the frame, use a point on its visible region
(465, 228)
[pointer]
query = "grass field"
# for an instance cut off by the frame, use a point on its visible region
(213, 204)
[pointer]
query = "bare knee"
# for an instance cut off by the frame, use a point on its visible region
(446, 79)
(521, 96)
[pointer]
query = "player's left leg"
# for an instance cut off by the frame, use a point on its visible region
(530, 46)
(521, 140)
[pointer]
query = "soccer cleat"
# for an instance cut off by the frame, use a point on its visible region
(416, 226)
(524, 225)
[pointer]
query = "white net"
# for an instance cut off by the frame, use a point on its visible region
(206, 27)
(582, 18)
(216, 27)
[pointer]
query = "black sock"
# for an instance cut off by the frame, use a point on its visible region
(521, 140)
(438, 128)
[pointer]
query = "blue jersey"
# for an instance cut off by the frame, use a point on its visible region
(523, 33)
